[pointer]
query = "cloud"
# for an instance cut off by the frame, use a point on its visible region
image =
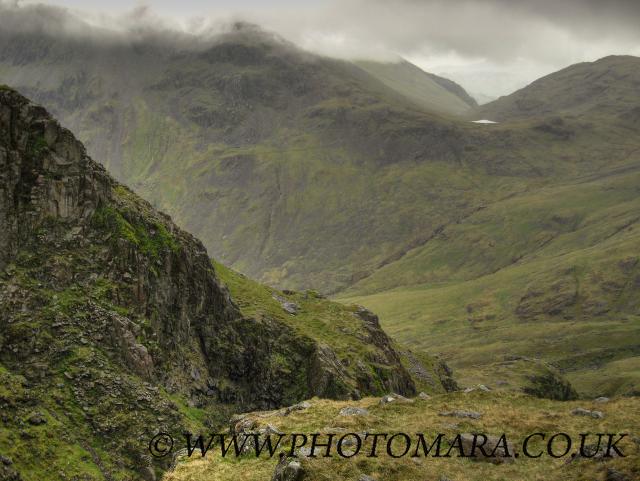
(469, 40)
(499, 30)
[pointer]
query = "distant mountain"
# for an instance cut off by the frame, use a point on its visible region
(607, 86)
(481, 98)
(423, 89)
(546, 271)
(250, 142)
(299, 170)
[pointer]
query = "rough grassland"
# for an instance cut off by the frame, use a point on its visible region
(515, 415)
(545, 274)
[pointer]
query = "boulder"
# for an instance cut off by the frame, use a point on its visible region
(586, 412)
(491, 445)
(393, 397)
(36, 419)
(353, 411)
(288, 469)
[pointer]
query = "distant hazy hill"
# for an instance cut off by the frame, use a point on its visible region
(609, 85)
(424, 89)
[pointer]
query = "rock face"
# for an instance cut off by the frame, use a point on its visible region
(105, 299)
(550, 384)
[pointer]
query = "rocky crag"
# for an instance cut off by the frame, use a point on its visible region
(114, 324)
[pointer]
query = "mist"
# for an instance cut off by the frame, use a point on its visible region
(490, 47)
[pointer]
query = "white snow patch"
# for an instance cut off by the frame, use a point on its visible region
(484, 121)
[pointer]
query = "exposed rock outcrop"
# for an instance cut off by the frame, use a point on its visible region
(104, 299)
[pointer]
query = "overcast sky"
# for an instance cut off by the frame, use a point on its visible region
(491, 47)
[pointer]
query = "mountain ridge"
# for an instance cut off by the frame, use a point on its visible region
(606, 85)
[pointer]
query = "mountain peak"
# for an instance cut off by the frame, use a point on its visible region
(607, 86)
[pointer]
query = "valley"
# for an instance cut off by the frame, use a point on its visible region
(317, 234)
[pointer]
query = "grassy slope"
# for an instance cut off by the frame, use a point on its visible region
(559, 262)
(329, 323)
(601, 86)
(515, 415)
(418, 86)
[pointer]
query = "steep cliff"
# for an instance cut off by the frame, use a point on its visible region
(114, 324)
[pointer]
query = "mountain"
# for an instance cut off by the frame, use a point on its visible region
(305, 172)
(608, 86)
(297, 170)
(115, 324)
(422, 89)
(550, 271)
(250, 143)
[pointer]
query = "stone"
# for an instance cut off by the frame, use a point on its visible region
(493, 447)
(288, 470)
(270, 429)
(387, 399)
(36, 419)
(241, 424)
(301, 406)
(586, 412)
(353, 411)
(615, 475)
(391, 398)
(290, 307)
(303, 452)
(424, 395)
(366, 477)
(484, 388)
(601, 400)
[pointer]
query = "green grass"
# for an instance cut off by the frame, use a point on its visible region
(325, 322)
(502, 412)
(151, 238)
(549, 274)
